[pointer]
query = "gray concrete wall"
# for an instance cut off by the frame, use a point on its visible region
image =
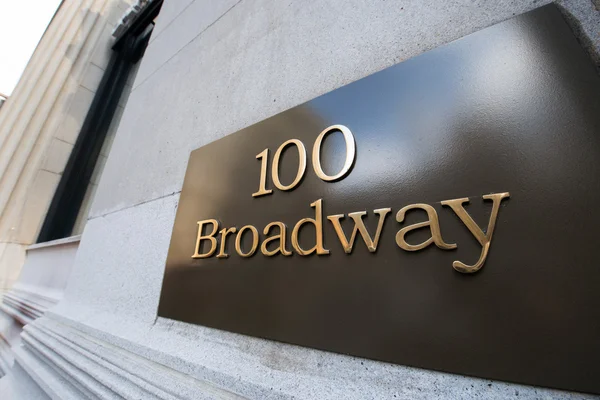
(211, 69)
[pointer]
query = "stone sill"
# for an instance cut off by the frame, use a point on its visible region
(57, 242)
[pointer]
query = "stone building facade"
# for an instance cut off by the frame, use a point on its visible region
(210, 69)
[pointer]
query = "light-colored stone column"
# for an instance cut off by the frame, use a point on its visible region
(38, 127)
(40, 122)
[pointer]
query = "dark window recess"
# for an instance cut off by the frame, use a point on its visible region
(68, 198)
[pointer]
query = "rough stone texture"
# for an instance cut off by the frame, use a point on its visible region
(256, 59)
(118, 306)
(18, 385)
(584, 18)
(47, 269)
(263, 57)
(169, 12)
(39, 287)
(196, 18)
(134, 244)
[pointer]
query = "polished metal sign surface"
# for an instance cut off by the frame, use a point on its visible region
(441, 213)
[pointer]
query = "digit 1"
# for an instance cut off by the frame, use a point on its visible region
(262, 187)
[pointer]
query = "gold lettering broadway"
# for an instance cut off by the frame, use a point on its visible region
(276, 236)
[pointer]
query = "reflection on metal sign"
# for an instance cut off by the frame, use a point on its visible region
(361, 222)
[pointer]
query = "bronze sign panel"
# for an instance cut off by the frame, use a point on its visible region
(361, 222)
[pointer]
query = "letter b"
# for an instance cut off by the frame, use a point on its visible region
(211, 237)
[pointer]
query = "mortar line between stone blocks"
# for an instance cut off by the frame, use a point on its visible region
(96, 65)
(152, 39)
(14, 242)
(135, 205)
(89, 90)
(62, 140)
(184, 46)
(52, 172)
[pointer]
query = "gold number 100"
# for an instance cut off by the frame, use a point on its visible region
(316, 161)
